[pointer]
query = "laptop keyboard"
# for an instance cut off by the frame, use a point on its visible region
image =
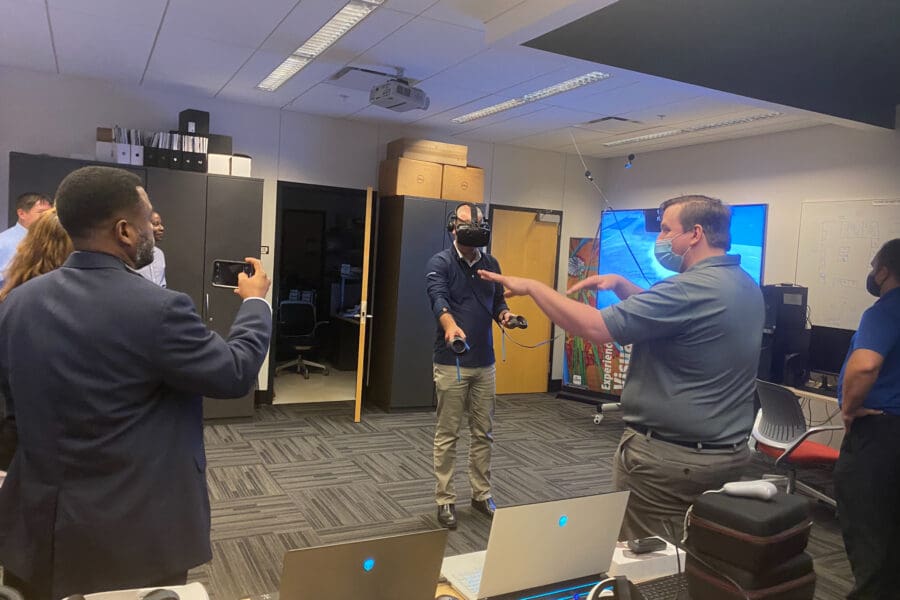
(665, 588)
(472, 580)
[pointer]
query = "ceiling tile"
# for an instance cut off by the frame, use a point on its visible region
(25, 35)
(414, 7)
(501, 67)
(202, 65)
(86, 45)
(243, 84)
(146, 12)
(424, 47)
(469, 13)
(229, 22)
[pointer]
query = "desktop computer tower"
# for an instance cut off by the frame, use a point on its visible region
(785, 340)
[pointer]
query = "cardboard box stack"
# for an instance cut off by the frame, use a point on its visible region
(431, 170)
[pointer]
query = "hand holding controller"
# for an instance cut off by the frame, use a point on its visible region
(761, 489)
(516, 321)
(458, 344)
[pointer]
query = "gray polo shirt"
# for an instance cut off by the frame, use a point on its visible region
(696, 339)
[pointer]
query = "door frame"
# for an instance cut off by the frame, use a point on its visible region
(280, 206)
(537, 212)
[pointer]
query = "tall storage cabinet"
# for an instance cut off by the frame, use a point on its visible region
(410, 231)
(206, 217)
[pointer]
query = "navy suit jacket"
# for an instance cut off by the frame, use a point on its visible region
(106, 373)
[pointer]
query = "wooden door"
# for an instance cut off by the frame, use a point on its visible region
(526, 243)
(363, 309)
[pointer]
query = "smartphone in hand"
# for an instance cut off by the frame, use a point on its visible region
(225, 272)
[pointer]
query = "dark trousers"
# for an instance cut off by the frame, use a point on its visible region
(867, 486)
(42, 591)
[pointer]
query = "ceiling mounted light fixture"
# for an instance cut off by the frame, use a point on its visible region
(694, 129)
(345, 20)
(559, 88)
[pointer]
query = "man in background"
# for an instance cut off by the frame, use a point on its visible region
(688, 398)
(107, 488)
(29, 207)
(464, 307)
(156, 270)
(867, 474)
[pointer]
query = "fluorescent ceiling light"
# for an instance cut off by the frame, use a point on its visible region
(546, 92)
(644, 138)
(346, 18)
(731, 122)
(694, 129)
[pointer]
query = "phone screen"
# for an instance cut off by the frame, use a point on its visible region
(225, 272)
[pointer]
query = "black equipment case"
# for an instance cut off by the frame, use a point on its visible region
(755, 535)
(712, 579)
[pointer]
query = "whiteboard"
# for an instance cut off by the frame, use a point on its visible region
(838, 240)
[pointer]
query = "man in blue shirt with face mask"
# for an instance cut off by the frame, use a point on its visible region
(867, 474)
(688, 398)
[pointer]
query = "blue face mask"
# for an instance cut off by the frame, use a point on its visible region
(666, 257)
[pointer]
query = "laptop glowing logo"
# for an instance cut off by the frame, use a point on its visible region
(368, 564)
(563, 521)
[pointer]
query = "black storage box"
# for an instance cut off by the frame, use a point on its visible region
(708, 579)
(192, 121)
(219, 144)
(755, 535)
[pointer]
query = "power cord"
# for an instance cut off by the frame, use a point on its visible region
(609, 208)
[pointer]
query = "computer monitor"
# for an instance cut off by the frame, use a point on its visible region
(828, 348)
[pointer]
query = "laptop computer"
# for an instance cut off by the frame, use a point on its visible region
(535, 545)
(399, 567)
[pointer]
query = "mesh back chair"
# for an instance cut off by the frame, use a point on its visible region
(781, 432)
(299, 330)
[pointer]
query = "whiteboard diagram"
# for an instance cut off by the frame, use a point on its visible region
(837, 242)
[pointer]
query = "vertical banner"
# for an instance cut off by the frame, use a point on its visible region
(581, 368)
(587, 367)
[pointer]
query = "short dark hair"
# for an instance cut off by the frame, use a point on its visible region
(889, 257)
(91, 195)
(27, 200)
(710, 213)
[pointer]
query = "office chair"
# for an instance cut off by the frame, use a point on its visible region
(299, 330)
(781, 432)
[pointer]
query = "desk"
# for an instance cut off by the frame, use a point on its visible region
(813, 396)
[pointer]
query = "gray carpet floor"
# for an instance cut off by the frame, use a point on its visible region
(303, 475)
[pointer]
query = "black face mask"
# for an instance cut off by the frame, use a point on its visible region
(474, 235)
(871, 286)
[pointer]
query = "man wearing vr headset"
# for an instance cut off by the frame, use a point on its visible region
(464, 306)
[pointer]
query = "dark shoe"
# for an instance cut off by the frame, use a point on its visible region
(485, 506)
(447, 515)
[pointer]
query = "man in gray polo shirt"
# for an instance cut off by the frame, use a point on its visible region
(688, 398)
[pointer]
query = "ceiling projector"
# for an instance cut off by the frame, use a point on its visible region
(398, 95)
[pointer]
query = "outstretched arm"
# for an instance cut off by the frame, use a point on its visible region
(617, 284)
(575, 317)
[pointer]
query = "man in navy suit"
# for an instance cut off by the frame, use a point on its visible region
(106, 373)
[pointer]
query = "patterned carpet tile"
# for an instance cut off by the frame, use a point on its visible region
(398, 466)
(320, 473)
(348, 533)
(521, 485)
(347, 505)
(256, 516)
(364, 443)
(270, 429)
(331, 425)
(398, 421)
(293, 449)
(580, 480)
(230, 455)
(218, 435)
(537, 453)
(246, 481)
(414, 496)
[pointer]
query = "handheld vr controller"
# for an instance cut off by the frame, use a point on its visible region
(517, 322)
(458, 345)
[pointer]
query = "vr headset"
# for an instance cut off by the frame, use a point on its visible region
(475, 233)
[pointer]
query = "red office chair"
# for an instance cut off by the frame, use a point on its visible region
(781, 432)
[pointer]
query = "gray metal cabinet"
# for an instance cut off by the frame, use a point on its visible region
(410, 231)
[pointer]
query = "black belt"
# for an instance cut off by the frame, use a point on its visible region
(695, 445)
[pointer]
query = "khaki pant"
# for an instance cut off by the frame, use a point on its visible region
(664, 480)
(475, 393)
